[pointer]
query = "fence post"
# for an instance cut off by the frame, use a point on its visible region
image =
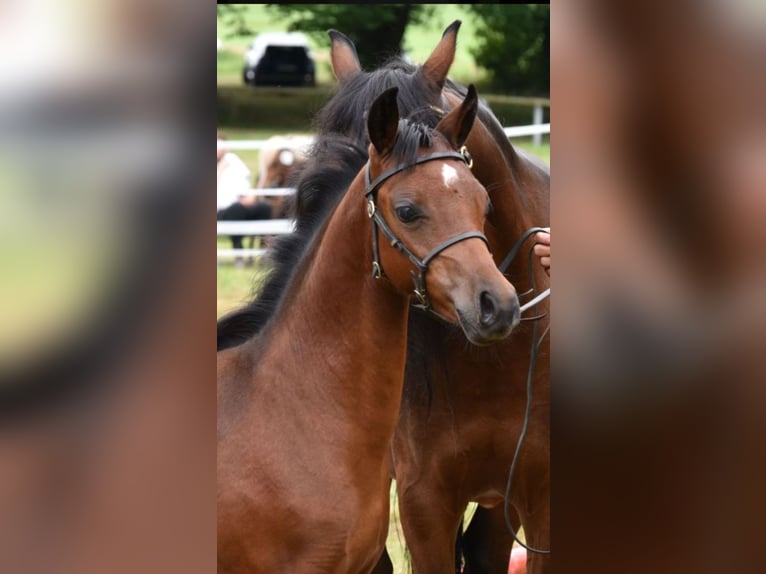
(537, 119)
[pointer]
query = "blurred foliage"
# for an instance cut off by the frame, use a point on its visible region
(377, 30)
(288, 109)
(234, 16)
(293, 109)
(514, 46)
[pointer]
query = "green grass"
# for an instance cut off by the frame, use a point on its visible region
(230, 61)
(543, 151)
(236, 285)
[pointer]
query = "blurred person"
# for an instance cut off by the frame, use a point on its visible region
(234, 201)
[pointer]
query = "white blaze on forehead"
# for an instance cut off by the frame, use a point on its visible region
(449, 174)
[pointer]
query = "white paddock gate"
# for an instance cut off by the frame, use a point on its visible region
(270, 227)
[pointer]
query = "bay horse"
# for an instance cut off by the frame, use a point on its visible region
(308, 406)
(463, 406)
(278, 162)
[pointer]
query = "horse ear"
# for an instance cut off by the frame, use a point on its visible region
(343, 56)
(457, 124)
(437, 66)
(383, 121)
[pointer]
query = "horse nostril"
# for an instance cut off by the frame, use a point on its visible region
(488, 309)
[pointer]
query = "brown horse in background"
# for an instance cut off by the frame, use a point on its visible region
(464, 406)
(307, 408)
(278, 163)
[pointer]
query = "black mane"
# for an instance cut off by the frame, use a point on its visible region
(346, 112)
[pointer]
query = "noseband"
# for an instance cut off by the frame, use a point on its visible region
(379, 222)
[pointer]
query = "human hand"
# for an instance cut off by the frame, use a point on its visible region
(543, 248)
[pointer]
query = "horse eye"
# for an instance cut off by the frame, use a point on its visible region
(407, 213)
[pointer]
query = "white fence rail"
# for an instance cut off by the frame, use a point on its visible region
(260, 227)
(267, 227)
(244, 252)
(257, 227)
(270, 191)
(535, 129)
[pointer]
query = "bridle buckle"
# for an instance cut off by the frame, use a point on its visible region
(466, 156)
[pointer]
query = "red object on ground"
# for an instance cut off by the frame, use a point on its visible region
(518, 563)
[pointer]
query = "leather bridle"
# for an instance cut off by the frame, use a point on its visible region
(379, 223)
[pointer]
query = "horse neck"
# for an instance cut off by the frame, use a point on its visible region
(515, 187)
(345, 332)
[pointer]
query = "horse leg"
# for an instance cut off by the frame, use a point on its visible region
(430, 528)
(384, 565)
(487, 543)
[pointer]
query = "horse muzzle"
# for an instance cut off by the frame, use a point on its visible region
(492, 317)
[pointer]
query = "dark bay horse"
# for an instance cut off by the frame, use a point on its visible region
(463, 406)
(308, 406)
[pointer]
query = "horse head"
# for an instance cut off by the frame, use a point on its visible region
(423, 197)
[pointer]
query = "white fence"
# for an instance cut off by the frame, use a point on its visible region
(268, 227)
(533, 130)
(259, 228)
(536, 129)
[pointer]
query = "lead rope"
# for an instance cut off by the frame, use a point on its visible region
(536, 343)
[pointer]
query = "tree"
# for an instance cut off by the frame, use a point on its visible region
(234, 15)
(377, 30)
(514, 46)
